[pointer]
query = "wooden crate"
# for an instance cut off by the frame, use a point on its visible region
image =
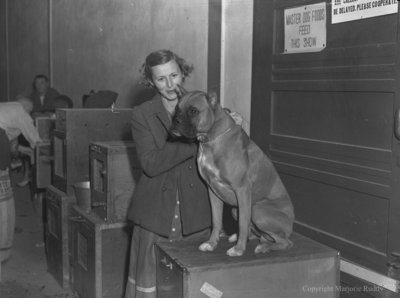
(43, 152)
(44, 125)
(42, 166)
(114, 170)
(58, 205)
(308, 269)
(100, 256)
(75, 130)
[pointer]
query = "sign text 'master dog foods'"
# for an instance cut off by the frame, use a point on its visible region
(305, 28)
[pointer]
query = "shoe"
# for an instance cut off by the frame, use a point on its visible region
(23, 183)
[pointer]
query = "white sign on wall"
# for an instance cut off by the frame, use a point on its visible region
(305, 28)
(349, 10)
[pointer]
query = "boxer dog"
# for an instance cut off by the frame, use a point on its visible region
(237, 173)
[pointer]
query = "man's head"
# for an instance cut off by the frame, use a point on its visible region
(26, 102)
(194, 114)
(41, 83)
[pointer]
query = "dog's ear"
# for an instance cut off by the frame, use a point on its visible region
(180, 91)
(213, 99)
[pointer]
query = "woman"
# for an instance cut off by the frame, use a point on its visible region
(170, 201)
(43, 95)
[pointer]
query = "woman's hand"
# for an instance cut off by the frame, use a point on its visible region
(239, 120)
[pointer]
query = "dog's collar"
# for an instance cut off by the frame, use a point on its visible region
(216, 138)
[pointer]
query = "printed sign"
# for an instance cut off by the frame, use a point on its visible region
(349, 10)
(305, 28)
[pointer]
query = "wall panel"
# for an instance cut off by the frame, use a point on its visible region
(102, 44)
(28, 30)
(3, 52)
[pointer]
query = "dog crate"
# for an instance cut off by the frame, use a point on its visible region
(75, 130)
(58, 206)
(308, 269)
(99, 255)
(114, 171)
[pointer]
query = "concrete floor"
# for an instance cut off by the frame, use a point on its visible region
(25, 274)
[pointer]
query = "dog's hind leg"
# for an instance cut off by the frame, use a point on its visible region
(274, 226)
(278, 244)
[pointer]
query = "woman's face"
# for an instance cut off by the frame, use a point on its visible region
(41, 85)
(166, 77)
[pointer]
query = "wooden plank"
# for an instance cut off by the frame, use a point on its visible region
(360, 155)
(363, 217)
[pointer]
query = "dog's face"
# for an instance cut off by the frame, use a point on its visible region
(194, 114)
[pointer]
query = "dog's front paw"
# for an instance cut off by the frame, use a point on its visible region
(235, 251)
(207, 246)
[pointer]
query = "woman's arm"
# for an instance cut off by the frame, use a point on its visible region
(24, 123)
(155, 161)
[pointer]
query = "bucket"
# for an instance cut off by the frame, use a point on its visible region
(7, 216)
(82, 194)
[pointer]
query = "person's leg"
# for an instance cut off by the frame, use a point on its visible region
(142, 269)
(27, 170)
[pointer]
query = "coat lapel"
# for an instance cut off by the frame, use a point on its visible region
(159, 121)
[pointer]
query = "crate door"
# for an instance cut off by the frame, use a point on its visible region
(42, 172)
(326, 119)
(99, 181)
(59, 168)
(54, 236)
(83, 258)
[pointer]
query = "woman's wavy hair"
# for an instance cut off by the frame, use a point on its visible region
(162, 57)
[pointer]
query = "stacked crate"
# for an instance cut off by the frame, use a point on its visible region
(100, 239)
(70, 233)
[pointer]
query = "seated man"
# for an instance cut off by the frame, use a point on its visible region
(43, 95)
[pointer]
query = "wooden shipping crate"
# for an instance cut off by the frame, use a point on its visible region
(75, 130)
(114, 171)
(99, 256)
(58, 205)
(308, 269)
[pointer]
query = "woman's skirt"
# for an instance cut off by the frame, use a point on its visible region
(7, 215)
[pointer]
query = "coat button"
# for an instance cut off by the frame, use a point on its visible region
(163, 188)
(191, 185)
(190, 167)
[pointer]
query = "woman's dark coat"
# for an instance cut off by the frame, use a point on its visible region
(168, 167)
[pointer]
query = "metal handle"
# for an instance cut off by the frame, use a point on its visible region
(397, 124)
(395, 265)
(77, 219)
(103, 172)
(98, 204)
(396, 254)
(46, 158)
(167, 264)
